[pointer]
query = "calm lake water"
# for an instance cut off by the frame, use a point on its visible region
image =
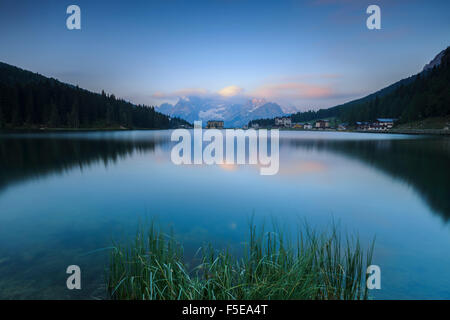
(64, 196)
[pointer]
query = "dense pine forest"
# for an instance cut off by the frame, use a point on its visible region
(424, 95)
(29, 100)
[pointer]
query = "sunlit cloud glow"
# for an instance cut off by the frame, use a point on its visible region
(230, 91)
(180, 93)
(293, 90)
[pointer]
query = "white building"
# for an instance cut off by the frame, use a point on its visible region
(283, 122)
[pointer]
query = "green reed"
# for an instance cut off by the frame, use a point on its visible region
(271, 266)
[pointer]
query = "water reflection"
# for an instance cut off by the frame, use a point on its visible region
(421, 162)
(34, 156)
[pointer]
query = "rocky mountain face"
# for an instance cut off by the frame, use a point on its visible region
(435, 62)
(233, 113)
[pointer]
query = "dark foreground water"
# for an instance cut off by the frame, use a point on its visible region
(65, 196)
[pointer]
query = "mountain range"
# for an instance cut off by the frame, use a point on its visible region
(233, 113)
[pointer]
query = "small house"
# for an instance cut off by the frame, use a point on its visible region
(283, 122)
(214, 124)
(322, 124)
(383, 123)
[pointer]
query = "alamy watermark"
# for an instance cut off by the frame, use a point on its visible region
(374, 20)
(74, 280)
(73, 21)
(374, 277)
(190, 150)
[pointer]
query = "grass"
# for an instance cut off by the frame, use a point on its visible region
(271, 266)
(437, 123)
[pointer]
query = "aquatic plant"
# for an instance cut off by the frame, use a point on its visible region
(271, 266)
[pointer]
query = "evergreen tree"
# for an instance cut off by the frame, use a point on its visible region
(74, 116)
(29, 107)
(54, 116)
(2, 119)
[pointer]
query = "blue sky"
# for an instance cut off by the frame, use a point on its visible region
(308, 54)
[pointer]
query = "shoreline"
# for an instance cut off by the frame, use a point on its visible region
(437, 132)
(47, 130)
(440, 132)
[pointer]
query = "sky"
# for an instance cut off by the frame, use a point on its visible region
(305, 54)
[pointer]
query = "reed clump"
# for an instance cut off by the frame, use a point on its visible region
(271, 266)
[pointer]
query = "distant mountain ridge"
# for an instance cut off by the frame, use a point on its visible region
(233, 113)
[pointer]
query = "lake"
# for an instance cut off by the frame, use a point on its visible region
(66, 197)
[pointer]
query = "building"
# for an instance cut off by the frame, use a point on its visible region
(322, 124)
(283, 122)
(307, 126)
(342, 126)
(255, 125)
(362, 125)
(297, 126)
(214, 124)
(383, 124)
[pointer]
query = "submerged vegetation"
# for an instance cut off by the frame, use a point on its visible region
(271, 266)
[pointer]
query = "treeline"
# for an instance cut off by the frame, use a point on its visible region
(314, 115)
(31, 100)
(262, 122)
(424, 95)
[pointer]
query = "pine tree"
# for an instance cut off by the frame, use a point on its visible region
(2, 119)
(54, 116)
(29, 107)
(16, 117)
(74, 116)
(109, 115)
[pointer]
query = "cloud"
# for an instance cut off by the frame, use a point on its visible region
(227, 92)
(230, 91)
(293, 90)
(180, 93)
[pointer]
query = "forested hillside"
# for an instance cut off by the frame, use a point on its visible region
(29, 100)
(424, 95)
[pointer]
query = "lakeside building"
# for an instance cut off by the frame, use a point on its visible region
(283, 122)
(362, 125)
(214, 124)
(255, 125)
(342, 126)
(322, 124)
(297, 126)
(381, 124)
(307, 126)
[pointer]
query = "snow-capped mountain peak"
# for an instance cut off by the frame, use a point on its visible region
(234, 114)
